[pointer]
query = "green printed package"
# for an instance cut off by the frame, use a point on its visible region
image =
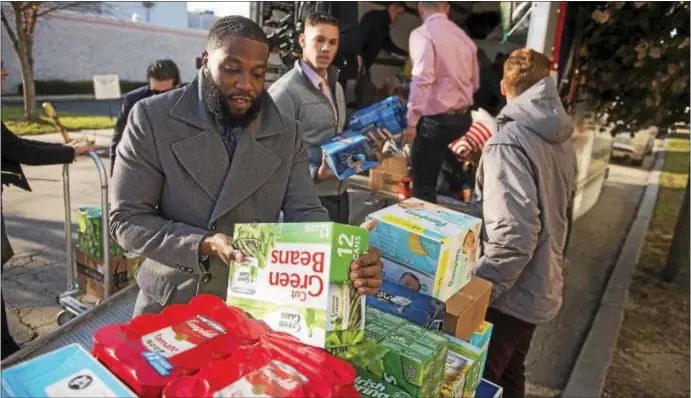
(409, 357)
(462, 358)
(295, 277)
(380, 324)
(90, 234)
(370, 386)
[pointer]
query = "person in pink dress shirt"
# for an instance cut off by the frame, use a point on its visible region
(445, 75)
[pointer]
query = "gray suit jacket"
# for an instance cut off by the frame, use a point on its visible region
(173, 184)
(296, 96)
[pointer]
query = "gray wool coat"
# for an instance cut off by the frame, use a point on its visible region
(173, 184)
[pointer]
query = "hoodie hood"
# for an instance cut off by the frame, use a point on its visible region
(539, 109)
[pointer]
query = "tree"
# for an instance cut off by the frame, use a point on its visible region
(25, 15)
(632, 63)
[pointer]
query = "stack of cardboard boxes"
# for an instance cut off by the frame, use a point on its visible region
(429, 254)
(90, 256)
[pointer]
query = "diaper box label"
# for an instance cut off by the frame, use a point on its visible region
(295, 278)
(480, 339)
(438, 242)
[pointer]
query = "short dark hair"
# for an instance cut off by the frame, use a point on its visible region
(396, 3)
(163, 69)
(318, 18)
(234, 25)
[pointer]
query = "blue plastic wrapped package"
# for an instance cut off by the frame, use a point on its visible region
(488, 389)
(390, 114)
(349, 153)
(416, 308)
(67, 372)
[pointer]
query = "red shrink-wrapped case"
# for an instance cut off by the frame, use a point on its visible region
(278, 366)
(155, 349)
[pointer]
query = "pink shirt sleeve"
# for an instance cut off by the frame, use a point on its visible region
(476, 73)
(423, 75)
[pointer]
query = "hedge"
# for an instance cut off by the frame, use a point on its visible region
(62, 87)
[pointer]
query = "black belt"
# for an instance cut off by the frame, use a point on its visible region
(457, 112)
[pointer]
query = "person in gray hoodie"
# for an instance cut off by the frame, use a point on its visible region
(525, 179)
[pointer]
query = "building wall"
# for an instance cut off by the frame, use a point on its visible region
(163, 13)
(74, 48)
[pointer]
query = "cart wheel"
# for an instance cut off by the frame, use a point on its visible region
(64, 316)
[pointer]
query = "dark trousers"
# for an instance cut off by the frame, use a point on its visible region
(508, 348)
(431, 147)
(9, 346)
(338, 207)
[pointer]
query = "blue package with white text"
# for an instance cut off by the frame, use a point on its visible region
(402, 302)
(349, 153)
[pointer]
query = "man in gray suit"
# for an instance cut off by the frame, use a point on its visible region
(195, 161)
(311, 94)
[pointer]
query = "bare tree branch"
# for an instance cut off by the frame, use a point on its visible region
(86, 6)
(10, 32)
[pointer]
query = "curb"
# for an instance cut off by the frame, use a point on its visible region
(589, 373)
(50, 98)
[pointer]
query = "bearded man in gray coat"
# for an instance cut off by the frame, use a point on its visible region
(195, 161)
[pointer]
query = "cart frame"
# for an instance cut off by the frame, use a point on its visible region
(71, 306)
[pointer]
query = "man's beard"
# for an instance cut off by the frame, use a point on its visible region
(217, 105)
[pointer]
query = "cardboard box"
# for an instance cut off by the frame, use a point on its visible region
(463, 357)
(380, 324)
(488, 389)
(90, 234)
(90, 274)
(389, 114)
(409, 357)
(349, 153)
(466, 310)
(432, 239)
(402, 302)
(369, 386)
(296, 279)
(385, 181)
(409, 277)
(481, 339)
(394, 164)
(66, 372)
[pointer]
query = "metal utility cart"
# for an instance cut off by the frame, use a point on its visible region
(79, 321)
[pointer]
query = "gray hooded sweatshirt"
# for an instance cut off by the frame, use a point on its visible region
(525, 179)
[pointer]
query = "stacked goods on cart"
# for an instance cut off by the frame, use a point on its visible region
(67, 372)
(90, 256)
(295, 278)
(207, 348)
(430, 253)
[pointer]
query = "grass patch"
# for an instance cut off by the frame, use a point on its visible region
(11, 116)
(652, 355)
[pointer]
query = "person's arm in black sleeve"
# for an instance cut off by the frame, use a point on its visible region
(34, 153)
(391, 47)
(365, 28)
(119, 128)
